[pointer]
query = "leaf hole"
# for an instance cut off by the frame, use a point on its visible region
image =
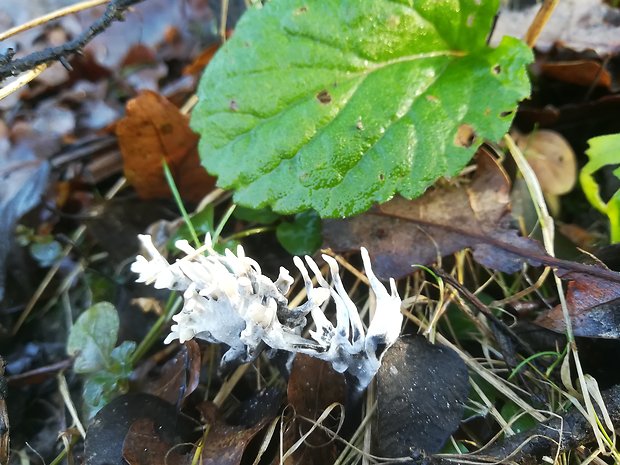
(233, 105)
(504, 114)
(300, 10)
(497, 69)
(465, 136)
(324, 97)
(381, 177)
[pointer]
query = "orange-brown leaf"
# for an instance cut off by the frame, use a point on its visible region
(154, 130)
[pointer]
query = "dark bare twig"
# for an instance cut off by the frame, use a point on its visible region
(113, 12)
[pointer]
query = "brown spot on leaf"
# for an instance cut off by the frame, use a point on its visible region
(465, 136)
(324, 97)
(233, 105)
(497, 69)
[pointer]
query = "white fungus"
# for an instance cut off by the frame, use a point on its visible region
(228, 300)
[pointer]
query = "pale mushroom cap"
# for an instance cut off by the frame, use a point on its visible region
(552, 159)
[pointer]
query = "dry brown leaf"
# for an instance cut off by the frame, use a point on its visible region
(224, 444)
(576, 24)
(144, 446)
(153, 130)
(581, 72)
(593, 305)
(402, 233)
(313, 386)
(179, 376)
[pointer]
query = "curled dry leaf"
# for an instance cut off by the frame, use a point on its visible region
(593, 305)
(224, 443)
(552, 159)
(179, 376)
(154, 130)
(581, 72)
(402, 233)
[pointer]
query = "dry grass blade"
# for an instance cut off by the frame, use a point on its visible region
(50, 17)
(21, 81)
(547, 226)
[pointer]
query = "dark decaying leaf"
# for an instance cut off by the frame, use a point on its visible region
(106, 436)
(179, 376)
(313, 386)
(144, 446)
(593, 305)
(23, 178)
(421, 394)
(402, 233)
(153, 130)
(224, 444)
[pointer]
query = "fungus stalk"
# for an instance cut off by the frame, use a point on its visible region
(228, 300)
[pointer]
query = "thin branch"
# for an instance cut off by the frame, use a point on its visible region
(113, 12)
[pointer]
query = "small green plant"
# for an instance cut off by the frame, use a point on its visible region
(334, 105)
(604, 150)
(106, 368)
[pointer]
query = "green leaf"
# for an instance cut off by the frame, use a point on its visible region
(251, 215)
(92, 338)
(604, 150)
(337, 104)
(202, 222)
(121, 358)
(302, 236)
(522, 421)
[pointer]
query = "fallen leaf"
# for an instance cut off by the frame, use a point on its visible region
(24, 178)
(224, 444)
(421, 394)
(581, 72)
(154, 130)
(179, 376)
(202, 60)
(313, 386)
(593, 305)
(402, 233)
(106, 436)
(144, 446)
(577, 24)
